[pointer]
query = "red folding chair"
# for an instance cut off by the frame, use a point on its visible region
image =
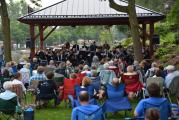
(132, 83)
(68, 88)
(80, 77)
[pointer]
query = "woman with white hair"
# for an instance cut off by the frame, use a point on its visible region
(8, 94)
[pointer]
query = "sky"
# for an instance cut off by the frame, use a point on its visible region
(45, 3)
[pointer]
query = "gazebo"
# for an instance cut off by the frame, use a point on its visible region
(86, 12)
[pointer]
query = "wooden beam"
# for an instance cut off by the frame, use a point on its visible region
(144, 34)
(41, 31)
(32, 36)
(44, 28)
(151, 41)
(49, 33)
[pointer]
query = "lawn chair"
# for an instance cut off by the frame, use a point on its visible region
(163, 107)
(96, 115)
(8, 108)
(133, 84)
(80, 76)
(89, 89)
(173, 88)
(116, 101)
(75, 103)
(68, 88)
(46, 92)
(17, 88)
(96, 83)
(59, 79)
(159, 81)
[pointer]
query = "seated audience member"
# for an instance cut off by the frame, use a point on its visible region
(51, 64)
(17, 81)
(152, 114)
(87, 71)
(133, 84)
(8, 94)
(6, 76)
(62, 69)
(154, 98)
(85, 106)
(86, 82)
(25, 72)
(151, 72)
(51, 91)
(106, 75)
(172, 73)
(40, 74)
(157, 78)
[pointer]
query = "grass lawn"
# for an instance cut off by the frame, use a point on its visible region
(62, 112)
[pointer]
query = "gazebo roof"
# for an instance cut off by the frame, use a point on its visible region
(87, 12)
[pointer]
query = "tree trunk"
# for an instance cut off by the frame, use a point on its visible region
(131, 11)
(6, 30)
(134, 30)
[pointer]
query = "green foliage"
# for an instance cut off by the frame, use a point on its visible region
(174, 16)
(161, 52)
(127, 42)
(169, 38)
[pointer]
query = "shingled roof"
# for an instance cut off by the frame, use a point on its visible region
(87, 12)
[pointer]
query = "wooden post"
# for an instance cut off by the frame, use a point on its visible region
(32, 36)
(144, 34)
(41, 37)
(151, 41)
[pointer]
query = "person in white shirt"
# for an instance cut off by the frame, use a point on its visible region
(25, 72)
(171, 74)
(8, 94)
(17, 80)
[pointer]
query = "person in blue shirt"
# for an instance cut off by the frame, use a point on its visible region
(154, 93)
(85, 106)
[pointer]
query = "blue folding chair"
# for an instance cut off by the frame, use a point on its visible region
(75, 102)
(96, 82)
(96, 115)
(89, 89)
(115, 99)
(164, 108)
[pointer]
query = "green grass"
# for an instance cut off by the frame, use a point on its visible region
(62, 112)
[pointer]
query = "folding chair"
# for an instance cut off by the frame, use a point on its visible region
(164, 108)
(80, 76)
(96, 83)
(89, 89)
(159, 81)
(68, 88)
(59, 79)
(96, 115)
(75, 103)
(116, 101)
(8, 108)
(173, 88)
(133, 84)
(17, 88)
(46, 92)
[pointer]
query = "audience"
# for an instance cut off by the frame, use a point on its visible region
(40, 76)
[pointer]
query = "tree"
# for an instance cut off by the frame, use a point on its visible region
(6, 27)
(131, 11)
(6, 30)
(174, 16)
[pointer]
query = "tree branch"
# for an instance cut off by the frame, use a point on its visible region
(118, 7)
